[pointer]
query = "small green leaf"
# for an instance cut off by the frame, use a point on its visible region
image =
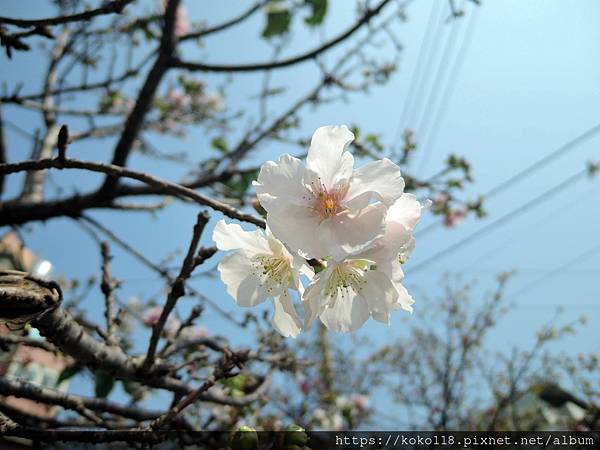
(240, 182)
(103, 383)
(68, 373)
(278, 22)
(220, 144)
(245, 438)
(319, 10)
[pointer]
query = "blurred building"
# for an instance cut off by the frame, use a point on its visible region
(31, 364)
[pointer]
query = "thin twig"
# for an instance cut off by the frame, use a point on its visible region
(107, 287)
(167, 187)
(115, 6)
(177, 289)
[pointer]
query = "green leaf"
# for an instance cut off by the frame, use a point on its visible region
(68, 373)
(103, 383)
(239, 183)
(319, 10)
(278, 22)
(220, 144)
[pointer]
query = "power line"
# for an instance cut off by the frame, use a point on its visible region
(507, 217)
(581, 257)
(423, 79)
(563, 208)
(423, 50)
(448, 90)
(568, 146)
(447, 52)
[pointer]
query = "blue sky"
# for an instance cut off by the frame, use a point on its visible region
(527, 84)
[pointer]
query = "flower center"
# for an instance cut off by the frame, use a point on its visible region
(274, 271)
(346, 277)
(326, 203)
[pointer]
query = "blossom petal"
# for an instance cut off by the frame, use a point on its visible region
(327, 156)
(406, 211)
(347, 313)
(380, 293)
(285, 318)
(347, 234)
(300, 267)
(378, 180)
(395, 240)
(242, 282)
(230, 236)
(295, 226)
(313, 297)
(405, 300)
(283, 181)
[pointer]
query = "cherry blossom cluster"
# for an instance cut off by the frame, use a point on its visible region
(356, 223)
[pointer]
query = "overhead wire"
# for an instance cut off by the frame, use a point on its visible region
(527, 206)
(537, 165)
(421, 125)
(564, 208)
(429, 138)
(416, 75)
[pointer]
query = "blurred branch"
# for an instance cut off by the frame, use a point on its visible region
(227, 24)
(311, 54)
(114, 6)
(107, 287)
(33, 186)
(166, 187)
(24, 389)
(135, 119)
(3, 151)
(177, 288)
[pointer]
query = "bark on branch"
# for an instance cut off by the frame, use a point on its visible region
(167, 187)
(115, 6)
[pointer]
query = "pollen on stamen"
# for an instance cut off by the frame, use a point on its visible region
(274, 271)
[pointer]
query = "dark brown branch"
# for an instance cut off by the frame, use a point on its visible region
(164, 273)
(366, 17)
(11, 339)
(16, 98)
(95, 436)
(177, 289)
(135, 120)
(115, 6)
(166, 187)
(223, 369)
(225, 25)
(33, 186)
(107, 287)
(3, 151)
(23, 389)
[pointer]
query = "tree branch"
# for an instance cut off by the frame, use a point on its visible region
(366, 17)
(24, 389)
(177, 289)
(135, 120)
(3, 151)
(107, 288)
(115, 6)
(226, 24)
(166, 187)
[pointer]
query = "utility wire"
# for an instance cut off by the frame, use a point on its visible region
(416, 75)
(507, 217)
(563, 209)
(572, 262)
(423, 80)
(442, 70)
(568, 146)
(429, 139)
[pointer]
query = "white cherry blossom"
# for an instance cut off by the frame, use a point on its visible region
(260, 268)
(368, 283)
(326, 208)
